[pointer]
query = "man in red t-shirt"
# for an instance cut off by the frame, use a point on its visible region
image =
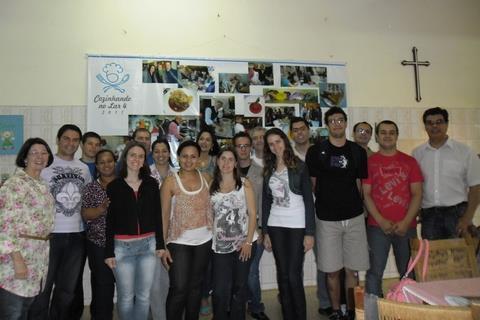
(393, 194)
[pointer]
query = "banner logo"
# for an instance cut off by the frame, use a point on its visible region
(114, 77)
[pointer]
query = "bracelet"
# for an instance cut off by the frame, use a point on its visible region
(248, 243)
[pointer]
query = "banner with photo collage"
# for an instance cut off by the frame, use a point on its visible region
(125, 93)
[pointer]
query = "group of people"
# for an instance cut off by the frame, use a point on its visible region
(168, 238)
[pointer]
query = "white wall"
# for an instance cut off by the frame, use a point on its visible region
(44, 43)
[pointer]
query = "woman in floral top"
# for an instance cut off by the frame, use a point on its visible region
(26, 220)
(94, 208)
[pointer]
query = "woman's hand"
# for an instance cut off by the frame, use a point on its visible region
(245, 251)
(267, 243)
(160, 253)
(308, 242)
(167, 259)
(19, 266)
(111, 263)
(104, 205)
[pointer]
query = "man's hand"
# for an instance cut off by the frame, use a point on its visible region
(462, 226)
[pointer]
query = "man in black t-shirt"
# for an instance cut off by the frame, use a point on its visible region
(336, 166)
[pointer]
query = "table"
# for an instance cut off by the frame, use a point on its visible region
(434, 292)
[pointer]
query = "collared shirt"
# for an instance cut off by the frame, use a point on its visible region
(26, 207)
(449, 172)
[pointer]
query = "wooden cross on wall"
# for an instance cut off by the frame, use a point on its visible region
(415, 63)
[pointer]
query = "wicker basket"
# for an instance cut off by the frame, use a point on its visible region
(391, 310)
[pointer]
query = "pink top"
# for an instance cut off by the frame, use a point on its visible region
(190, 209)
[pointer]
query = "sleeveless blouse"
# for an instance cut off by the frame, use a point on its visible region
(190, 214)
(230, 227)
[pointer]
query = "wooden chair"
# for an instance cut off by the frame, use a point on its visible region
(391, 310)
(448, 259)
(358, 293)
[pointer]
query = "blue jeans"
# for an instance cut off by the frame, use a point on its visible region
(134, 272)
(13, 307)
(65, 259)
(230, 277)
(287, 247)
(379, 246)
(255, 304)
(441, 222)
(159, 292)
(102, 282)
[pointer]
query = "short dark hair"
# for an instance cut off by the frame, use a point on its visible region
(377, 127)
(241, 134)
(298, 119)
(66, 127)
(25, 149)
(167, 145)
(215, 147)
(91, 134)
(359, 123)
(332, 111)
(188, 143)
(144, 170)
(140, 130)
(435, 111)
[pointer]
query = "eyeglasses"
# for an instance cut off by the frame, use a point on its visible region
(242, 146)
(38, 153)
(363, 131)
(438, 122)
(336, 121)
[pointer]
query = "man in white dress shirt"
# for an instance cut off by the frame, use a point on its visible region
(451, 189)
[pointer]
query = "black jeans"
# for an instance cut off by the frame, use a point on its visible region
(287, 246)
(78, 304)
(441, 222)
(102, 282)
(230, 285)
(66, 253)
(12, 306)
(186, 276)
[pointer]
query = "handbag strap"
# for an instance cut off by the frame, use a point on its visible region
(423, 251)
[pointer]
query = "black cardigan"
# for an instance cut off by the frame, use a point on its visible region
(128, 215)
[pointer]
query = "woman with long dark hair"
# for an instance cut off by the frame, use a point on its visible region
(187, 224)
(95, 203)
(288, 219)
(209, 150)
(234, 236)
(160, 170)
(133, 232)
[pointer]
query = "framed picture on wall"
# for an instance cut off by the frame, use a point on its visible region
(11, 134)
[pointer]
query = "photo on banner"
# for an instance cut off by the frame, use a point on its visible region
(171, 86)
(279, 115)
(302, 75)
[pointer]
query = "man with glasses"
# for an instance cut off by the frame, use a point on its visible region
(243, 147)
(452, 180)
(362, 133)
(336, 166)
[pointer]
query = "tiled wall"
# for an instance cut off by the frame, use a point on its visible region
(464, 126)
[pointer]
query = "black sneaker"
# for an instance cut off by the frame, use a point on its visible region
(259, 315)
(336, 315)
(325, 311)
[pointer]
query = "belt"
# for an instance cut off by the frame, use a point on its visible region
(446, 208)
(27, 236)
